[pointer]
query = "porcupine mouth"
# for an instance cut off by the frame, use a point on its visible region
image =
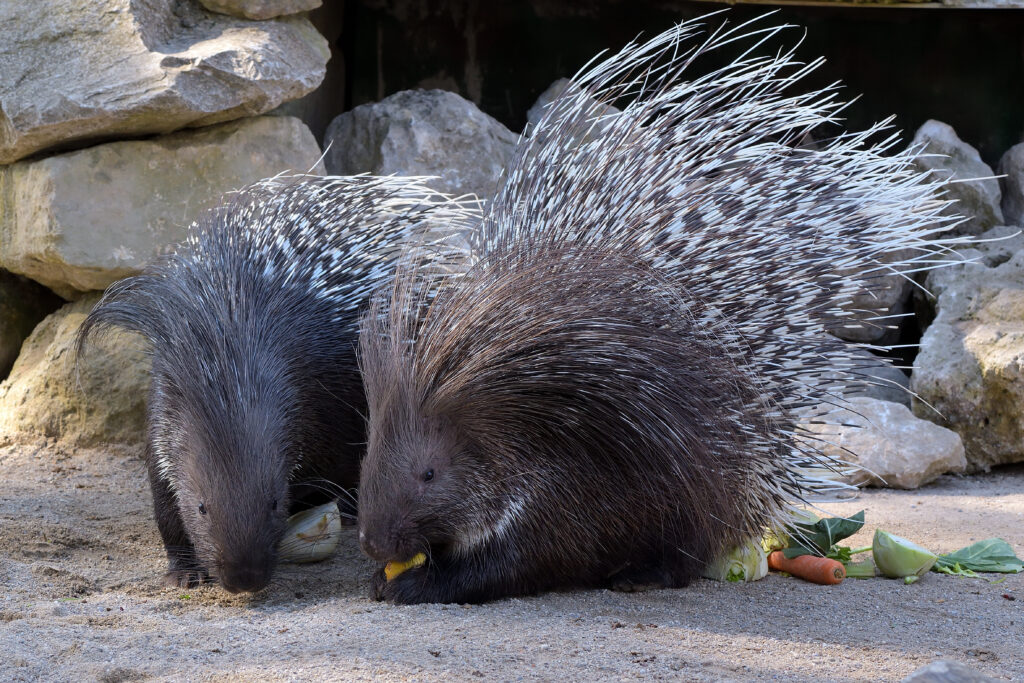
(393, 570)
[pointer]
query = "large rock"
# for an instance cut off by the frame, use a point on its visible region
(260, 9)
(880, 380)
(969, 368)
(422, 132)
(893, 447)
(590, 125)
(101, 400)
(318, 108)
(23, 304)
(84, 70)
(1011, 166)
(947, 671)
(977, 200)
(78, 221)
(874, 313)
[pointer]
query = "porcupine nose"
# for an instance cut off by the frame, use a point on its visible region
(245, 579)
(370, 545)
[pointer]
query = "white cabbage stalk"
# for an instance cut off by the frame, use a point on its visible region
(899, 558)
(747, 562)
(312, 534)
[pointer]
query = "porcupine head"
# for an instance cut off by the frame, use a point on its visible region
(218, 449)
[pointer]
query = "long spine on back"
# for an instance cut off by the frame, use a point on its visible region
(705, 180)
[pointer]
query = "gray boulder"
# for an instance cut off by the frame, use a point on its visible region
(556, 90)
(79, 221)
(894, 448)
(101, 400)
(880, 380)
(874, 313)
(23, 304)
(947, 671)
(260, 9)
(977, 200)
(422, 133)
(969, 366)
(86, 70)
(1012, 185)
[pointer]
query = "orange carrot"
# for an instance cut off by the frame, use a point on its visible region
(809, 568)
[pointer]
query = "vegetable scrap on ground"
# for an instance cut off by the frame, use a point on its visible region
(808, 548)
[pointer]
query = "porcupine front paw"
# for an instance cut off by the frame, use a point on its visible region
(411, 587)
(184, 574)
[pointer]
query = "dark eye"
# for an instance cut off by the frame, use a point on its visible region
(428, 475)
(273, 506)
(202, 508)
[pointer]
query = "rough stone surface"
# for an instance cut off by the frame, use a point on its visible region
(1012, 185)
(422, 132)
(23, 304)
(970, 366)
(87, 70)
(536, 112)
(947, 671)
(99, 400)
(260, 9)
(978, 200)
(882, 381)
(318, 108)
(874, 312)
(79, 221)
(895, 448)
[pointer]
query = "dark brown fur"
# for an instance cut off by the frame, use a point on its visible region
(580, 428)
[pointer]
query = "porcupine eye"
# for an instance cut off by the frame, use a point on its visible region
(428, 475)
(273, 505)
(202, 508)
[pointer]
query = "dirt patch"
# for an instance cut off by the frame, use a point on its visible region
(80, 561)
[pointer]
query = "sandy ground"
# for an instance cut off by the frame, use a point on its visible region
(80, 562)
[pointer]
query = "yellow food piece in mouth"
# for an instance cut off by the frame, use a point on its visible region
(393, 569)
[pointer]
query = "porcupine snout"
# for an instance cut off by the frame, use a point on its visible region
(378, 538)
(247, 574)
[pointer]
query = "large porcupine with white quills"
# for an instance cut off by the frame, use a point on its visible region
(610, 393)
(256, 404)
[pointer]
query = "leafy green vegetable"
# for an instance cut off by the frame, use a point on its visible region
(990, 555)
(820, 537)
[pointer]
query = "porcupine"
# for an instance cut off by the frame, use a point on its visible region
(255, 405)
(610, 394)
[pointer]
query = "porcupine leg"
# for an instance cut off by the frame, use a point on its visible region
(674, 569)
(643, 579)
(183, 570)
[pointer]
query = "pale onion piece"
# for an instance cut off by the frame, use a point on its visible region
(312, 534)
(897, 557)
(394, 569)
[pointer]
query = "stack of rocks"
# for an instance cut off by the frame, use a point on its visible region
(119, 122)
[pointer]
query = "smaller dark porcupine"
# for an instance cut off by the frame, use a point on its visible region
(256, 404)
(610, 393)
